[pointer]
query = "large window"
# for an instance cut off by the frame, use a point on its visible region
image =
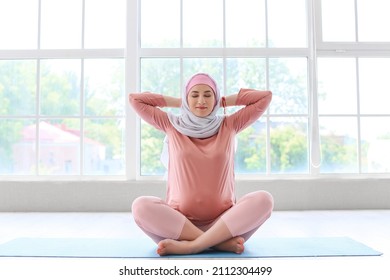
(255, 44)
(353, 92)
(62, 87)
(66, 66)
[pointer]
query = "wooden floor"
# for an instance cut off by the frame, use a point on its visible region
(371, 227)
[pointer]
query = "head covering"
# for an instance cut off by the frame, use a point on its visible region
(202, 79)
(189, 124)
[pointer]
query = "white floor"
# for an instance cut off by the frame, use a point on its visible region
(371, 227)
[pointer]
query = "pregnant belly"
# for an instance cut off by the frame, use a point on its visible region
(204, 209)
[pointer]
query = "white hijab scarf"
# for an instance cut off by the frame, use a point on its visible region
(189, 124)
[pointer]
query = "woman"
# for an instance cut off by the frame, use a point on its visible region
(200, 210)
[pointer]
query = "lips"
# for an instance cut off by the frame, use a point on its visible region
(201, 108)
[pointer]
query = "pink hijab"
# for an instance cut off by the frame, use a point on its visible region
(189, 124)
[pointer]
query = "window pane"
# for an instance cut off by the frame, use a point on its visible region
(249, 32)
(338, 144)
(337, 92)
(19, 24)
(374, 20)
(151, 148)
(287, 23)
(17, 147)
(289, 148)
(161, 75)
(251, 143)
(203, 23)
(160, 26)
(107, 33)
(59, 147)
(375, 144)
(60, 87)
(245, 73)
(374, 85)
(338, 20)
(17, 87)
(104, 87)
(211, 66)
(158, 75)
(251, 149)
(104, 147)
(288, 83)
(61, 24)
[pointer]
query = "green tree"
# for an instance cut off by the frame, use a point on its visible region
(106, 100)
(10, 134)
(151, 148)
(59, 96)
(17, 87)
(251, 151)
(290, 89)
(17, 97)
(288, 149)
(336, 155)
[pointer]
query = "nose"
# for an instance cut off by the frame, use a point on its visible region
(201, 100)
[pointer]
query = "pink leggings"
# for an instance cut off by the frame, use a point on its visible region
(160, 221)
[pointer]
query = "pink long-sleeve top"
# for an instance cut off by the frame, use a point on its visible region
(200, 181)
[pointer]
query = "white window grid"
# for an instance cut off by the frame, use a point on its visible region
(356, 50)
(223, 53)
(133, 53)
(38, 54)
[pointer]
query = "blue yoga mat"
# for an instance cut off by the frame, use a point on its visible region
(145, 248)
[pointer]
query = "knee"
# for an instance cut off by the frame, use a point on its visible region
(264, 202)
(143, 206)
(268, 198)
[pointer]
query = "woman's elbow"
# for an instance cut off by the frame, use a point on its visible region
(268, 97)
(133, 98)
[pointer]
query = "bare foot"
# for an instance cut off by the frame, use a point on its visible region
(235, 245)
(174, 247)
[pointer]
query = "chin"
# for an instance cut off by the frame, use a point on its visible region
(201, 115)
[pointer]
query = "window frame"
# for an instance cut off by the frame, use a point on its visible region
(132, 53)
(37, 55)
(355, 50)
(224, 53)
(345, 48)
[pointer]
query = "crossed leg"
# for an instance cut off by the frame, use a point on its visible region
(217, 237)
(175, 234)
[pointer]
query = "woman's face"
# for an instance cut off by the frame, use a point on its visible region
(201, 100)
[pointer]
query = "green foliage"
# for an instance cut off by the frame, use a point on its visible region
(10, 133)
(156, 78)
(60, 96)
(151, 147)
(251, 152)
(289, 88)
(336, 154)
(17, 87)
(288, 150)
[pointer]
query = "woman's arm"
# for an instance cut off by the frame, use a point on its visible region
(230, 100)
(172, 102)
(146, 106)
(256, 103)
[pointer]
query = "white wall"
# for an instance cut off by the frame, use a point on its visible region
(289, 194)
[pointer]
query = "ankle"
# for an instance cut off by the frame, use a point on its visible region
(195, 248)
